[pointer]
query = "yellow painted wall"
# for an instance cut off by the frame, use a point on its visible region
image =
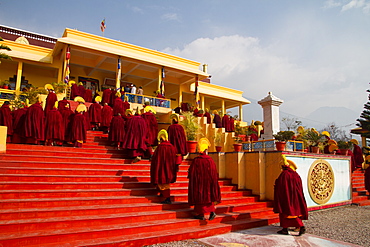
(7, 69)
(3, 134)
(273, 162)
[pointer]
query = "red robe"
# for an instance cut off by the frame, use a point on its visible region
(289, 199)
(81, 91)
(50, 102)
(106, 114)
(177, 137)
(152, 127)
(117, 129)
(203, 181)
(118, 107)
(136, 131)
(54, 129)
(19, 118)
(67, 116)
(106, 96)
(62, 104)
(367, 179)
(78, 131)
(357, 155)
(88, 95)
(6, 118)
(217, 121)
(95, 112)
(163, 168)
(226, 123)
(34, 123)
(74, 91)
(208, 116)
(126, 105)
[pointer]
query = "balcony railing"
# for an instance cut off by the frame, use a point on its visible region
(141, 99)
(265, 145)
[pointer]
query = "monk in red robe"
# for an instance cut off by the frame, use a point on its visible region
(54, 129)
(62, 104)
(50, 99)
(78, 130)
(226, 123)
(19, 118)
(106, 96)
(204, 191)
(95, 111)
(67, 116)
(106, 114)
(152, 127)
(116, 133)
(217, 119)
(125, 104)
(289, 199)
(74, 90)
(118, 105)
(177, 137)
(358, 157)
(6, 119)
(81, 90)
(208, 116)
(134, 143)
(88, 95)
(35, 124)
(163, 168)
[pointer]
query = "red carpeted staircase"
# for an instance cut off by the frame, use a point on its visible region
(92, 196)
(359, 193)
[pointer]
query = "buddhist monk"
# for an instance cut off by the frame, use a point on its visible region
(54, 129)
(177, 137)
(78, 130)
(118, 105)
(116, 133)
(204, 191)
(208, 116)
(74, 90)
(358, 158)
(107, 114)
(95, 113)
(289, 199)
(35, 124)
(163, 168)
(152, 127)
(62, 104)
(106, 96)
(50, 99)
(6, 119)
(217, 119)
(19, 118)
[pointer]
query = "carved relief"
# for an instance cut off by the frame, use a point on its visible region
(321, 181)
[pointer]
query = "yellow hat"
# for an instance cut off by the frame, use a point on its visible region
(56, 104)
(80, 83)
(331, 141)
(354, 141)
(289, 163)
(118, 94)
(203, 144)
(27, 102)
(333, 147)
(162, 135)
(79, 99)
(98, 99)
(81, 108)
(49, 87)
(149, 109)
(175, 116)
(325, 133)
(70, 83)
(215, 112)
(128, 112)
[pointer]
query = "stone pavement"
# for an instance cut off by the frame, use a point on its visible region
(267, 237)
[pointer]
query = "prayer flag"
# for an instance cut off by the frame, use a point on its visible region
(162, 81)
(102, 25)
(118, 81)
(196, 93)
(67, 71)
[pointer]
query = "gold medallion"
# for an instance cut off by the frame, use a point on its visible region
(321, 181)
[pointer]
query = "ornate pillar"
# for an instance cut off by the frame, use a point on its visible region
(270, 105)
(19, 78)
(202, 102)
(241, 112)
(223, 107)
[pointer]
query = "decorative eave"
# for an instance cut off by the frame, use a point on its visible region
(118, 48)
(28, 52)
(220, 92)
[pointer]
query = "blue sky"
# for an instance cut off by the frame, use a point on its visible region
(309, 53)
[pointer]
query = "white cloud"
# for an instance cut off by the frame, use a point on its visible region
(243, 63)
(170, 17)
(331, 4)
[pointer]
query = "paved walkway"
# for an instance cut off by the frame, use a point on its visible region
(267, 237)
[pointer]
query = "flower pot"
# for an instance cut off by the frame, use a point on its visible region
(242, 137)
(237, 147)
(315, 150)
(218, 149)
(5, 86)
(280, 146)
(192, 146)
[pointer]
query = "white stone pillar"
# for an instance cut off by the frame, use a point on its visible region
(270, 105)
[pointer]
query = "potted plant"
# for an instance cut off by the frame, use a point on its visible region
(301, 136)
(344, 146)
(281, 138)
(314, 139)
(59, 87)
(218, 138)
(192, 128)
(249, 131)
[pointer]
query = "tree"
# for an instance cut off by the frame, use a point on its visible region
(336, 132)
(291, 123)
(364, 120)
(3, 55)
